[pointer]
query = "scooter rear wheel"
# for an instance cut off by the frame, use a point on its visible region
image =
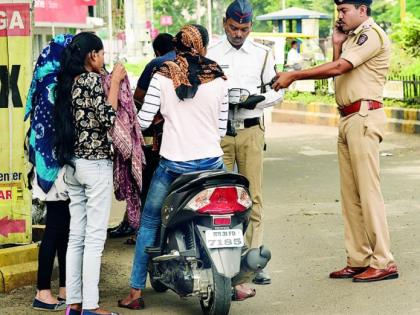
(220, 296)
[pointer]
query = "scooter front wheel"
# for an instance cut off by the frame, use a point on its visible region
(218, 303)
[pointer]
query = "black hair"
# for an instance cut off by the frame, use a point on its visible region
(163, 44)
(293, 42)
(72, 64)
(368, 11)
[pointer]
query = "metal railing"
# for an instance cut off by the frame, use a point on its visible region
(411, 87)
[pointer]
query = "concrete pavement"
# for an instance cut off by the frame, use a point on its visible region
(304, 229)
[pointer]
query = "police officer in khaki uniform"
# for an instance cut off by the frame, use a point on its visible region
(361, 62)
(247, 65)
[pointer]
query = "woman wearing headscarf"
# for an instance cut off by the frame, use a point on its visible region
(191, 94)
(47, 176)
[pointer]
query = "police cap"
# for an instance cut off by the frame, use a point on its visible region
(365, 2)
(240, 11)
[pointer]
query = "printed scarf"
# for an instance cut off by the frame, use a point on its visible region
(39, 107)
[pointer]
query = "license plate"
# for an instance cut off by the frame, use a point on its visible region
(224, 238)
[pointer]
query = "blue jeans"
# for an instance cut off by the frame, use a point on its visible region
(163, 177)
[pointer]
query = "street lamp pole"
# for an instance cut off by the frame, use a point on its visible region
(283, 7)
(209, 19)
(402, 9)
(151, 14)
(110, 48)
(197, 11)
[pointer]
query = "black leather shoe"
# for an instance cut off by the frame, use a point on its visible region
(262, 277)
(122, 230)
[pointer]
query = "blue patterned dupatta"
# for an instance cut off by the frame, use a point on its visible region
(39, 107)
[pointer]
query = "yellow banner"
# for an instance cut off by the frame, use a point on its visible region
(15, 76)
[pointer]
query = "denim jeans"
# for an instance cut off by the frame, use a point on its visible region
(163, 177)
(90, 192)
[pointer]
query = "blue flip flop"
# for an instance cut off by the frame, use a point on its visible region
(41, 306)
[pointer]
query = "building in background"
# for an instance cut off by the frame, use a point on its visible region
(295, 24)
(131, 29)
(138, 28)
(62, 16)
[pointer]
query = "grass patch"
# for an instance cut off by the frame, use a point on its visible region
(136, 68)
(307, 98)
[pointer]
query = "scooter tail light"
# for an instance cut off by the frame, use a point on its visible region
(220, 200)
(200, 200)
(244, 198)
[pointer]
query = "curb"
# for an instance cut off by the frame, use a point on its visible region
(18, 266)
(405, 120)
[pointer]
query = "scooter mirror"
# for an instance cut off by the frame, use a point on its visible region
(238, 95)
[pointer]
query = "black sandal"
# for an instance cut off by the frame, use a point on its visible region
(130, 241)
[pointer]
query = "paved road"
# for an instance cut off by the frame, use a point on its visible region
(304, 229)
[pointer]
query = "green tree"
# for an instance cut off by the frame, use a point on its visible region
(386, 13)
(261, 7)
(182, 12)
(407, 35)
(264, 7)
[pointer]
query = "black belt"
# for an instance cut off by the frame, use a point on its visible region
(249, 122)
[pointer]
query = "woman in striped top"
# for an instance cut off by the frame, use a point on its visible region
(191, 94)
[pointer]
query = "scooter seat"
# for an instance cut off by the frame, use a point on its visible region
(188, 177)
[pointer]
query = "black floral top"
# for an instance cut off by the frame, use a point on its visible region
(93, 116)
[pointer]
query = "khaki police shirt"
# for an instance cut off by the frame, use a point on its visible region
(368, 49)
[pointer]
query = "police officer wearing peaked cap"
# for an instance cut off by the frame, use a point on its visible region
(247, 65)
(360, 65)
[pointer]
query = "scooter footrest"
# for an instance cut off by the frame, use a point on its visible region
(152, 250)
(188, 253)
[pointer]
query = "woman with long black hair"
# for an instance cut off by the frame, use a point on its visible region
(83, 117)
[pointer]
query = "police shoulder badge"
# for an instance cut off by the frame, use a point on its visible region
(362, 39)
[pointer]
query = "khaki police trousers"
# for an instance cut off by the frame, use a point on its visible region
(246, 149)
(365, 225)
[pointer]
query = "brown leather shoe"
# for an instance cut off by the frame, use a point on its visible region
(347, 272)
(372, 274)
